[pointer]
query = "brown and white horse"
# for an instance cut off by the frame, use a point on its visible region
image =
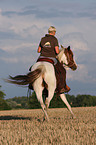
(44, 71)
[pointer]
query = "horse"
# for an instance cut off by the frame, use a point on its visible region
(44, 71)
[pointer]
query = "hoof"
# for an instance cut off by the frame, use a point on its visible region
(46, 119)
(73, 117)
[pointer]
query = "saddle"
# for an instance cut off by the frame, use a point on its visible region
(46, 59)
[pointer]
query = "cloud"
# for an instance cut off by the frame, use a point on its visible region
(76, 41)
(25, 53)
(81, 74)
(20, 59)
(8, 35)
(21, 26)
(61, 10)
(39, 12)
(15, 48)
(9, 60)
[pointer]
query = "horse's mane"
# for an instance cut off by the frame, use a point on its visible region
(60, 54)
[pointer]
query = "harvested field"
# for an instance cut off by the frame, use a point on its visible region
(25, 127)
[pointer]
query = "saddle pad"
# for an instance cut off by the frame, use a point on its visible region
(46, 59)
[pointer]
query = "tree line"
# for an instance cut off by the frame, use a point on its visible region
(3, 103)
(32, 103)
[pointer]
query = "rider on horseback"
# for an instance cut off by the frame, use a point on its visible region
(48, 49)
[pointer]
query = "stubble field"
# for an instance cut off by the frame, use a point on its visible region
(25, 127)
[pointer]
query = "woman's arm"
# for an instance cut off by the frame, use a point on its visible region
(39, 49)
(57, 49)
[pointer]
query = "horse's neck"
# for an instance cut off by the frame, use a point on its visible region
(59, 56)
(62, 58)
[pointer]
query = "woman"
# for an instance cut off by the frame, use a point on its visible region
(48, 49)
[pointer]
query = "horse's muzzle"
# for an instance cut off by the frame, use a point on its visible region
(74, 67)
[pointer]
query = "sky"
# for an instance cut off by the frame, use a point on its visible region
(24, 22)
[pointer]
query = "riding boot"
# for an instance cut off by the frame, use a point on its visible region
(61, 78)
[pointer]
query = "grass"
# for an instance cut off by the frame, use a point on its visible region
(25, 127)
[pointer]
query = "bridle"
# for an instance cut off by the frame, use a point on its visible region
(71, 63)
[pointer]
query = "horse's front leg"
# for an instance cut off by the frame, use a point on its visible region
(63, 97)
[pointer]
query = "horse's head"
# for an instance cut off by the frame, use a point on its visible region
(66, 57)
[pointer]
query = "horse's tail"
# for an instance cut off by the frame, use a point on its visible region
(27, 79)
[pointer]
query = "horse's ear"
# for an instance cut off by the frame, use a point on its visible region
(62, 46)
(68, 48)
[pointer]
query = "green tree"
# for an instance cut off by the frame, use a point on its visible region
(18, 102)
(71, 99)
(85, 100)
(2, 94)
(33, 102)
(3, 103)
(56, 102)
(93, 100)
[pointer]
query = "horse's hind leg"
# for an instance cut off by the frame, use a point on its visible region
(38, 90)
(63, 97)
(50, 96)
(51, 90)
(39, 97)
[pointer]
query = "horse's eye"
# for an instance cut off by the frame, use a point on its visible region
(71, 55)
